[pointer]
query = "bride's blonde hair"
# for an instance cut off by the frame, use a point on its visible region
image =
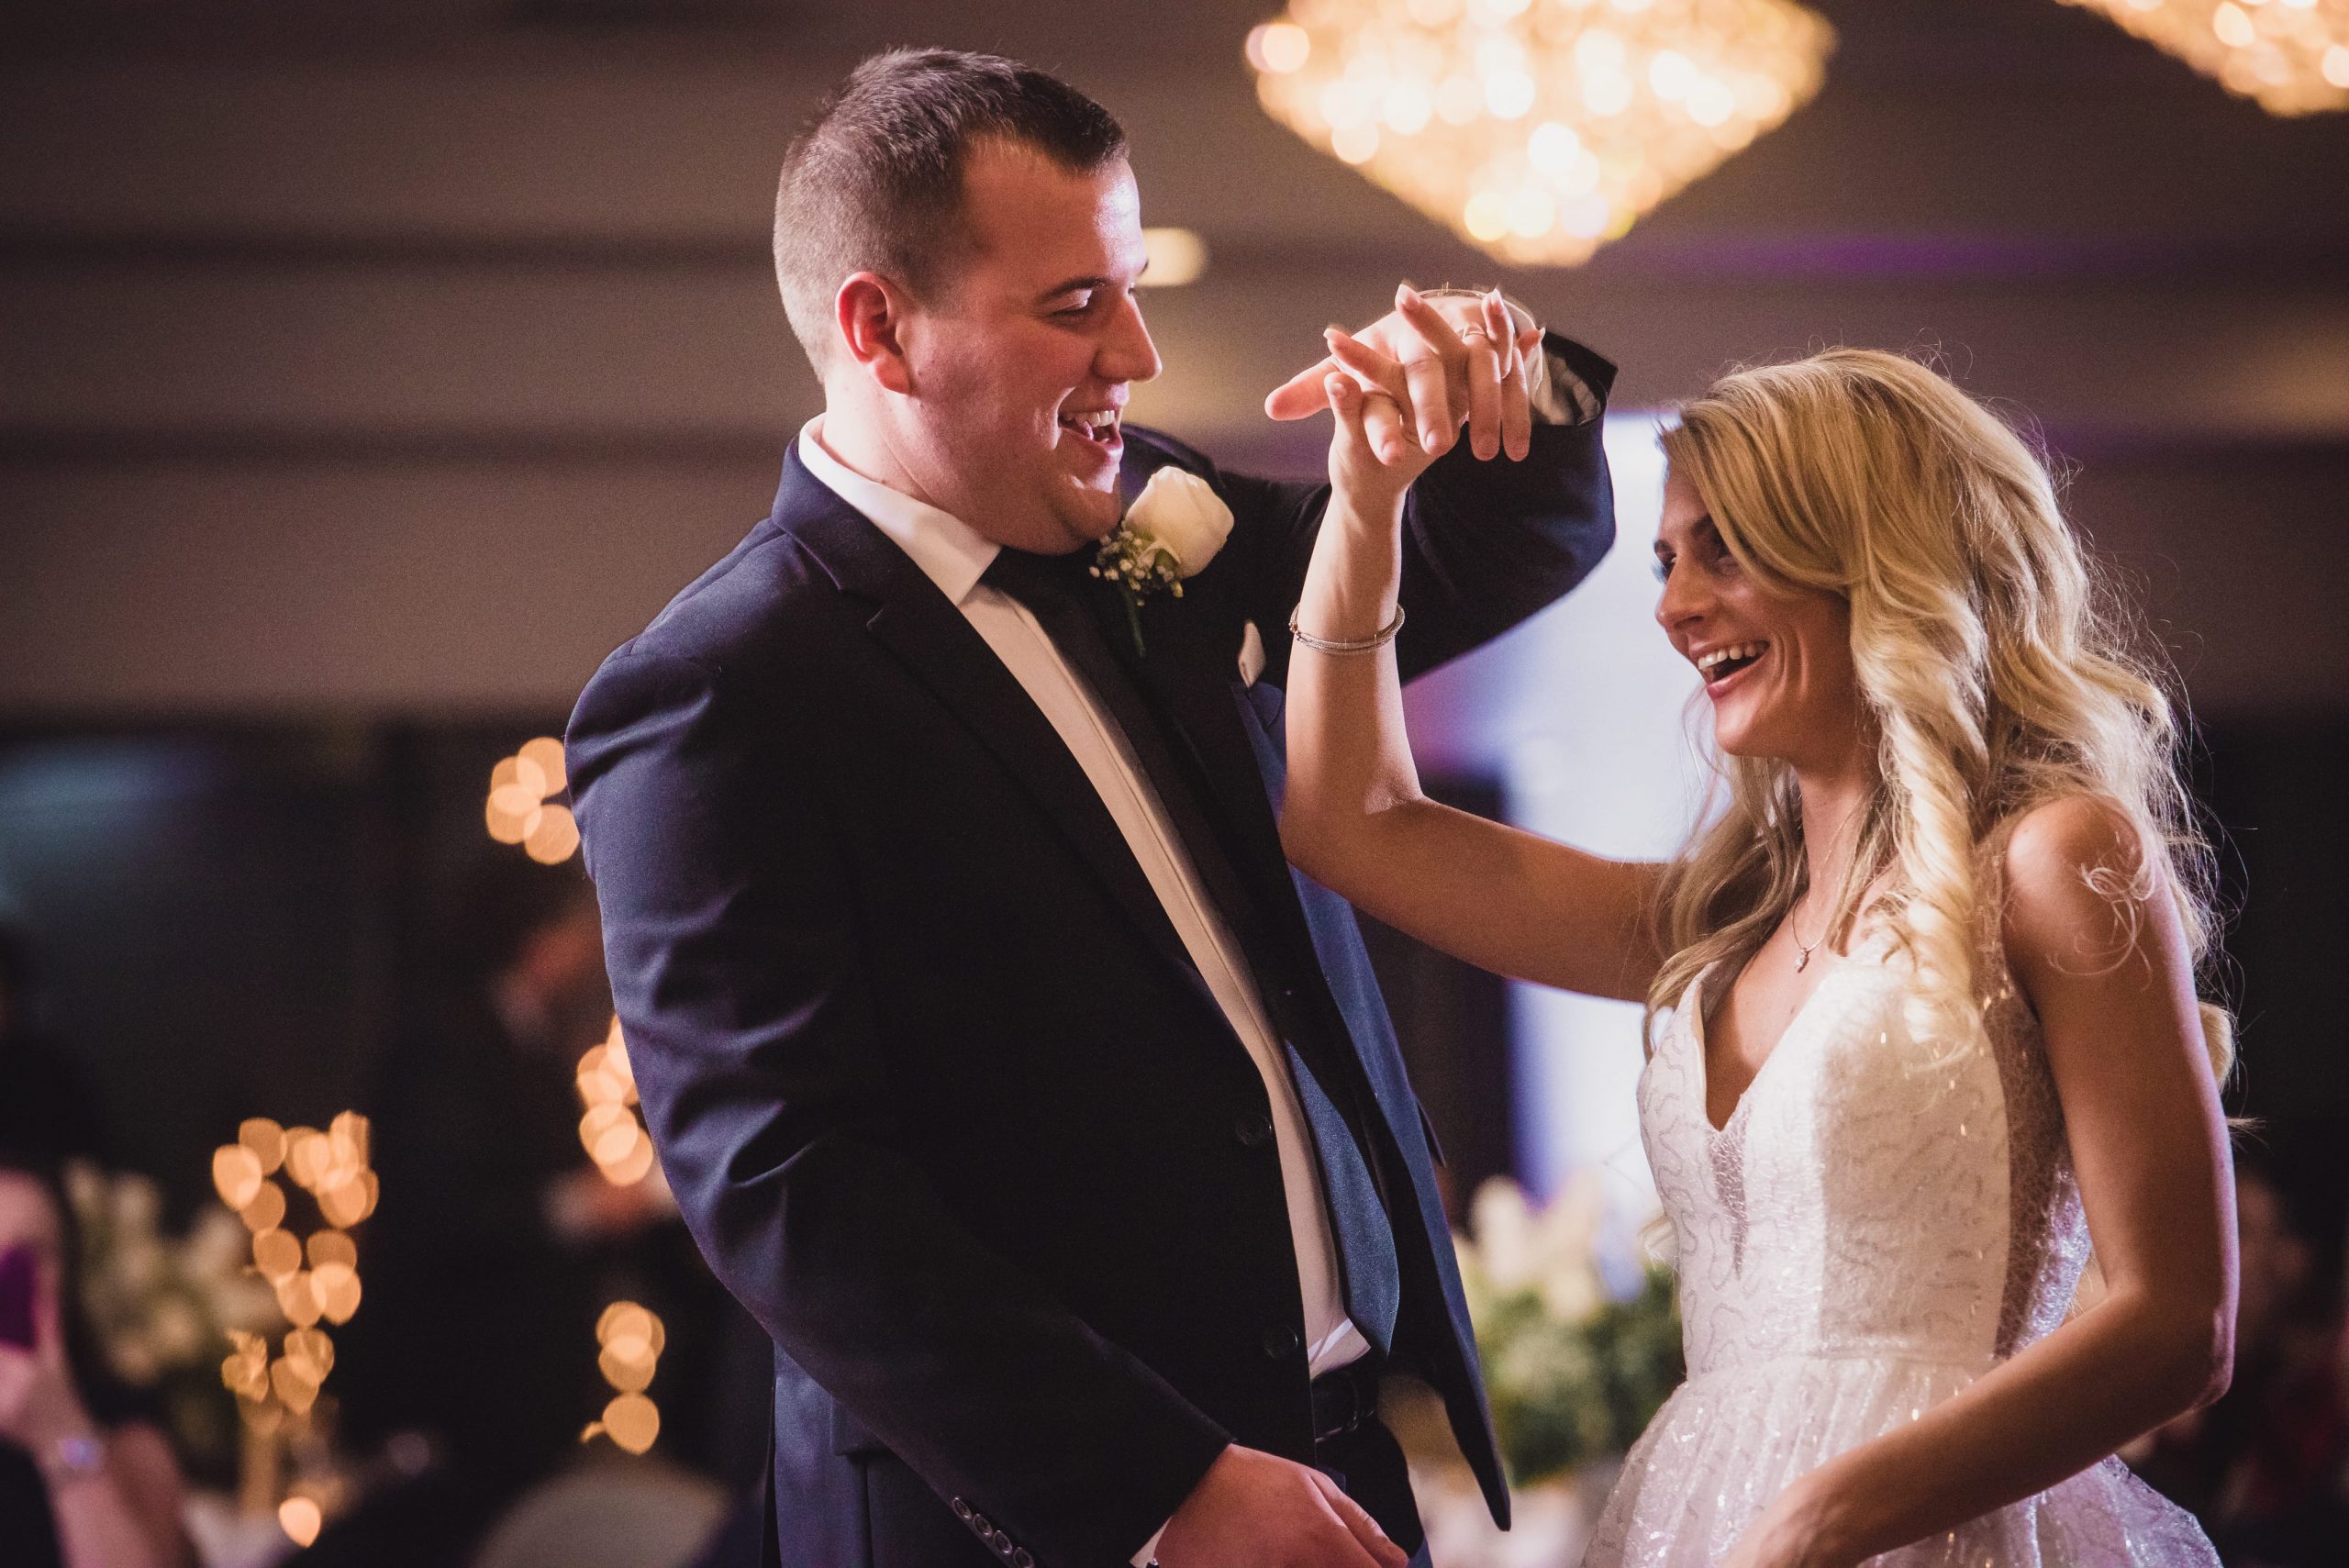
(1996, 669)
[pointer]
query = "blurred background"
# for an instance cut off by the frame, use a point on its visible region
(371, 371)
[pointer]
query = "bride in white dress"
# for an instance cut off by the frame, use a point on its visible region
(1922, 1007)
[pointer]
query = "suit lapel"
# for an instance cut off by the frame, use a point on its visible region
(917, 624)
(1191, 683)
(1189, 677)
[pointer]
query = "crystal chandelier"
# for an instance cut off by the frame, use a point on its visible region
(2292, 56)
(1537, 128)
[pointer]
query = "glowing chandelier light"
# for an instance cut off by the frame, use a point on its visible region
(2291, 56)
(1537, 128)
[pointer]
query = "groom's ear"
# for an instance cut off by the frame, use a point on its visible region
(870, 313)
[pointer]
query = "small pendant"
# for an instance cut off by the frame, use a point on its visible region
(1803, 962)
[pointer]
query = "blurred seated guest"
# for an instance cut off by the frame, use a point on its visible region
(2262, 1466)
(478, 1328)
(84, 1481)
(49, 1106)
(615, 1512)
(499, 1242)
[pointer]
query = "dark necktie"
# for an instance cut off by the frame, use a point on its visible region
(1058, 592)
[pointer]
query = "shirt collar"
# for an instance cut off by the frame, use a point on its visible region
(950, 551)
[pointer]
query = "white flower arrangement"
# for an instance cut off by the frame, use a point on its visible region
(1574, 1371)
(162, 1306)
(1171, 531)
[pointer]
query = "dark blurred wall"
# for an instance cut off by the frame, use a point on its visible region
(227, 920)
(206, 914)
(2274, 788)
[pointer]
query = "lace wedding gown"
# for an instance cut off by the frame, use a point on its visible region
(1868, 1233)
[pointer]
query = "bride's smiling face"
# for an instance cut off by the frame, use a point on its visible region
(1776, 664)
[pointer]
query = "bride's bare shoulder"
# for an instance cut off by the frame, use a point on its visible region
(2078, 883)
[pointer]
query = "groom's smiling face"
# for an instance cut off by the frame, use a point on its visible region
(1020, 368)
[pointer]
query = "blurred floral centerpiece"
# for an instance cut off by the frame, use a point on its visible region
(1574, 1371)
(163, 1306)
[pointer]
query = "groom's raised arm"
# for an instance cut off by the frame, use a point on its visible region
(1486, 542)
(731, 935)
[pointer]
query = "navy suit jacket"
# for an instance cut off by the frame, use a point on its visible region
(938, 1089)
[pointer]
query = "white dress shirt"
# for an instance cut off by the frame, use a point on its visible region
(953, 554)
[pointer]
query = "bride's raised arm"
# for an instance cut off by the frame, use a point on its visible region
(1353, 816)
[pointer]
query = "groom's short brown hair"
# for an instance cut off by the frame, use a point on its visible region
(874, 181)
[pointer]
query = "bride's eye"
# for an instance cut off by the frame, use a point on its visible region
(1661, 568)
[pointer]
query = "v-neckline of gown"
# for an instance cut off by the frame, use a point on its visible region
(1777, 1048)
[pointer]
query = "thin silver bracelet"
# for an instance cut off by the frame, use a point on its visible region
(1335, 645)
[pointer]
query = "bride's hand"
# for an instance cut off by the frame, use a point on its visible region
(1793, 1532)
(1392, 422)
(1462, 361)
(1376, 447)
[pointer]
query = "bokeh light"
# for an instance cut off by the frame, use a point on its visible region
(2291, 57)
(520, 808)
(301, 1519)
(314, 1278)
(1539, 131)
(1178, 256)
(629, 1339)
(610, 1128)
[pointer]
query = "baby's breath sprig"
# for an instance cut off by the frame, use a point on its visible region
(1137, 568)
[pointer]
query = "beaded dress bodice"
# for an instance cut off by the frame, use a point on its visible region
(1871, 1194)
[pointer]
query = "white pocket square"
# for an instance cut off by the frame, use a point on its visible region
(1251, 655)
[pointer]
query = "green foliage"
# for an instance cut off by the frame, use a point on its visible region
(1564, 1393)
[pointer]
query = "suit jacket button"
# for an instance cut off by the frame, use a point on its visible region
(979, 1523)
(1253, 1130)
(961, 1510)
(1280, 1342)
(1020, 1559)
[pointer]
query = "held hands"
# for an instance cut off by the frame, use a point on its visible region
(1403, 387)
(1257, 1510)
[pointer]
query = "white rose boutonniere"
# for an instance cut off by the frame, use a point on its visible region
(1172, 529)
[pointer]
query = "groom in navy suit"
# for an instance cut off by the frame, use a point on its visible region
(1052, 1128)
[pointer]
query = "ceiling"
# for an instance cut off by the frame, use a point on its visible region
(2039, 131)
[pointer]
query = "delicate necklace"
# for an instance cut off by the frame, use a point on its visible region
(1802, 962)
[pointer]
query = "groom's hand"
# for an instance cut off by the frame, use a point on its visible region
(1258, 1510)
(1464, 361)
(1375, 456)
